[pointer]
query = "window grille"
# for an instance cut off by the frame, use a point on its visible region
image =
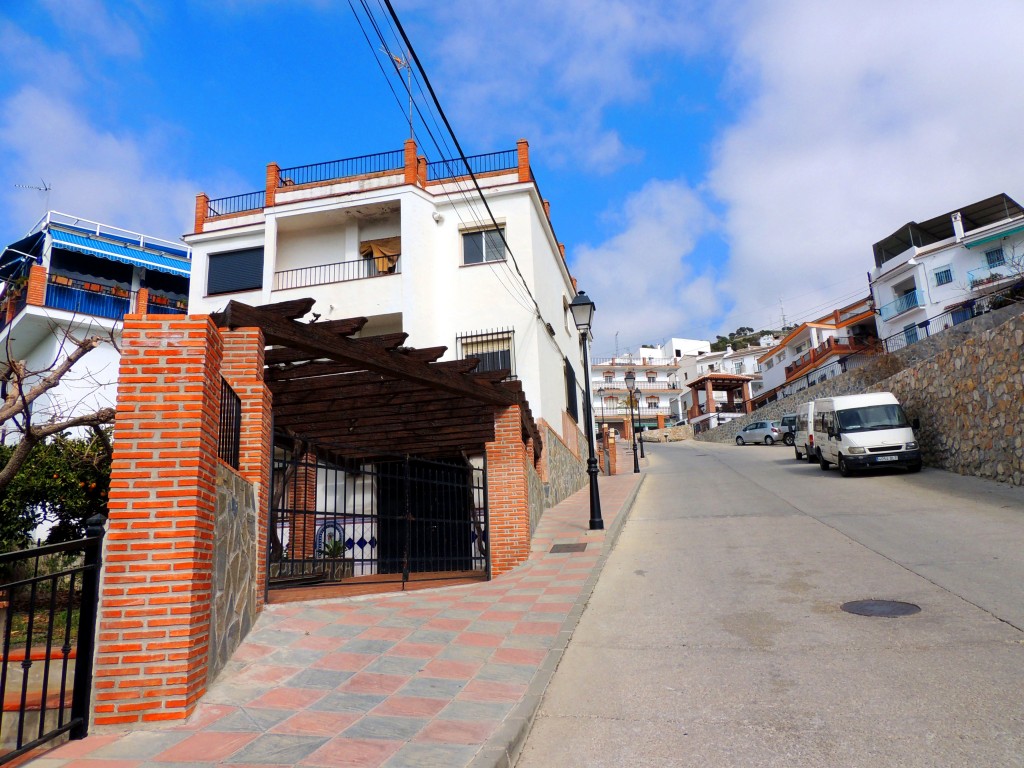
(495, 349)
(943, 276)
(995, 257)
(230, 431)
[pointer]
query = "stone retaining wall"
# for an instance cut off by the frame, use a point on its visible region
(566, 471)
(966, 385)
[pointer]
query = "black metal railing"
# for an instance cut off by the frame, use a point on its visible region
(505, 160)
(166, 305)
(381, 162)
(495, 349)
(229, 435)
(48, 629)
(225, 206)
(382, 521)
(338, 272)
(929, 327)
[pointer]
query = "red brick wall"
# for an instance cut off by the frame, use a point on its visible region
(155, 594)
(507, 493)
(37, 286)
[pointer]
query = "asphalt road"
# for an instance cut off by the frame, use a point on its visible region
(715, 635)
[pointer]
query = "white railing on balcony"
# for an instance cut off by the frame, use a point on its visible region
(903, 304)
(339, 272)
(643, 386)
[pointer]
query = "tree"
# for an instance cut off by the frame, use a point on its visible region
(23, 387)
(64, 482)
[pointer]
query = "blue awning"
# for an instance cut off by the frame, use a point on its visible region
(124, 253)
(998, 236)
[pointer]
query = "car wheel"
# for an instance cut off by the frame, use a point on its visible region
(822, 463)
(768, 440)
(797, 452)
(788, 439)
(916, 467)
(844, 468)
(739, 440)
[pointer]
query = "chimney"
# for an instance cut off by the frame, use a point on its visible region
(958, 226)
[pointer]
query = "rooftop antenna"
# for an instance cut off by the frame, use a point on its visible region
(783, 310)
(616, 343)
(45, 189)
(402, 62)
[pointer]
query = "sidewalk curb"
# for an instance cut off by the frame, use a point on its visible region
(502, 749)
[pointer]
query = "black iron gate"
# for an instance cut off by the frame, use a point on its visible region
(50, 595)
(390, 520)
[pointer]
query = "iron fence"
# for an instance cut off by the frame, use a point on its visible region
(506, 160)
(229, 434)
(930, 326)
(85, 298)
(338, 272)
(495, 349)
(363, 165)
(225, 206)
(48, 598)
(380, 521)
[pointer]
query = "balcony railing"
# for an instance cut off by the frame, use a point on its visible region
(226, 206)
(831, 346)
(644, 386)
(988, 275)
(494, 161)
(88, 298)
(930, 327)
(364, 165)
(903, 304)
(339, 272)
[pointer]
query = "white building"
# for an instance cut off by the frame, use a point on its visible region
(656, 386)
(73, 276)
(409, 245)
(818, 350)
(934, 274)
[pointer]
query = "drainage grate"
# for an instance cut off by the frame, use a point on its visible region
(558, 549)
(886, 609)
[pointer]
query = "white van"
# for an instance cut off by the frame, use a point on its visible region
(863, 432)
(803, 437)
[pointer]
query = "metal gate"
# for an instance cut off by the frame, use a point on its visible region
(48, 598)
(375, 522)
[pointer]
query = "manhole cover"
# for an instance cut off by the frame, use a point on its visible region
(886, 609)
(560, 548)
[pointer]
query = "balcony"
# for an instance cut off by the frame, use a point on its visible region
(978, 278)
(904, 303)
(603, 385)
(828, 348)
(338, 272)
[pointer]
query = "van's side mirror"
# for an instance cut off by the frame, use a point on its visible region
(916, 424)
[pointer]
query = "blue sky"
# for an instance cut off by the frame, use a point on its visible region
(709, 165)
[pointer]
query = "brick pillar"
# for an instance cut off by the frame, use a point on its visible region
(523, 150)
(661, 421)
(141, 302)
(421, 171)
(273, 179)
(411, 163)
(613, 455)
(37, 286)
(243, 370)
(748, 403)
(155, 598)
(202, 206)
(507, 493)
(547, 209)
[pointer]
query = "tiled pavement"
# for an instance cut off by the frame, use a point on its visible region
(447, 677)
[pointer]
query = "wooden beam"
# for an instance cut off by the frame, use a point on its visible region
(278, 330)
(279, 356)
(288, 310)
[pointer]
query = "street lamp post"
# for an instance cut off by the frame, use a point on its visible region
(631, 387)
(583, 314)
(640, 437)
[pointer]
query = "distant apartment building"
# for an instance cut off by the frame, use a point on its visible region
(818, 350)
(70, 275)
(656, 385)
(931, 275)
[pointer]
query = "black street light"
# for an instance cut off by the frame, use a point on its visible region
(583, 314)
(631, 387)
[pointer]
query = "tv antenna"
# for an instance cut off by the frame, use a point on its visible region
(45, 189)
(402, 62)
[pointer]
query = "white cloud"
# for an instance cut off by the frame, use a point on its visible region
(861, 117)
(115, 178)
(641, 278)
(551, 70)
(91, 22)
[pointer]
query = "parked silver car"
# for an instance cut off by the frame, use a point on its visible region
(766, 432)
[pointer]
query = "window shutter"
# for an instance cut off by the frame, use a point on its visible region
(235, 271)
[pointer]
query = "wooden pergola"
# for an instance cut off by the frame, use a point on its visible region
(362, 398)
(716, 381)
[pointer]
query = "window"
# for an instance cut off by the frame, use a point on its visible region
(995, 257)
(651, 377)
(737, 367)
(485, 245)
(494, 349)
(943, 275)
(233, 271)
(571, 395)
(652, 402)
(769, 364)
(608, 376)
